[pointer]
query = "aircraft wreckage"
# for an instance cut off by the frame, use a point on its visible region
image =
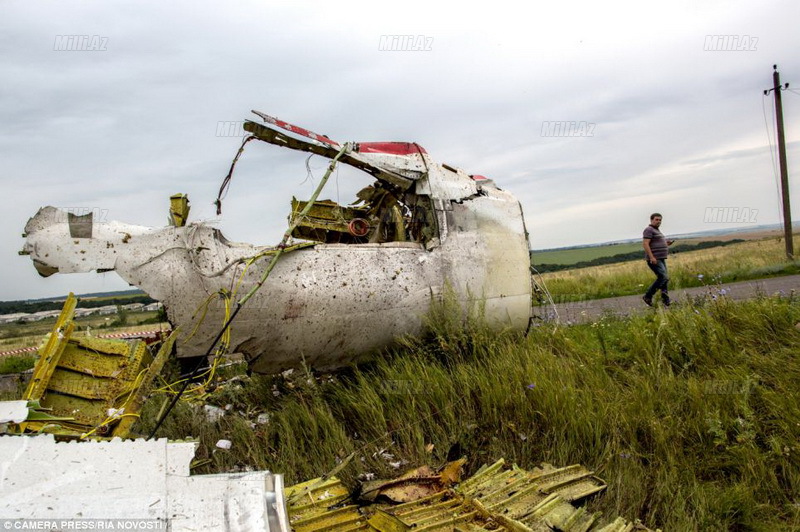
(344, 282)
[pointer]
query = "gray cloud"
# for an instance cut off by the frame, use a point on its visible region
(676, 129)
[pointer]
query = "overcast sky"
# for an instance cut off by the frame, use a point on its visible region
(674, 123)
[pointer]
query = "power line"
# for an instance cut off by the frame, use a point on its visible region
(776, 90)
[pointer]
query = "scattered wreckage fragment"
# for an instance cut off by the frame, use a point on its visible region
(80, 483)
(83, 386)
(129, 485)
(363, 274)
(496, 497)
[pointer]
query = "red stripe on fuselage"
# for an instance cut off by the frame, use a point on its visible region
(392, 148)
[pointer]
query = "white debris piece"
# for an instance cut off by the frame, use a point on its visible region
(213, 413)
(224, 444)
(134, 479)
(13, 411)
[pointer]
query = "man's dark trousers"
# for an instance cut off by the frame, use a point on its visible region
(660, 269)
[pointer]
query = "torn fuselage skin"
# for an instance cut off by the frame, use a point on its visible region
(368, 274)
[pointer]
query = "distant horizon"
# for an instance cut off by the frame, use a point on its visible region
(87, 295)
(721, 231)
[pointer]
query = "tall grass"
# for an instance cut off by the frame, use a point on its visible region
(16, 363)
(737, 262)
(691, 415)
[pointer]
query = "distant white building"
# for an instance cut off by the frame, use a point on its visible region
(37, 316)
(79, 312)
(11, 318)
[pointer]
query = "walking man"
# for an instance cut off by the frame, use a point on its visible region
(656, 250)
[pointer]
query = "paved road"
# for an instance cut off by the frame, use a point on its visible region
(588, 311)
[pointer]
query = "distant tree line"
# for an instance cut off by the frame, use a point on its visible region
(633, 255)
(12, 307)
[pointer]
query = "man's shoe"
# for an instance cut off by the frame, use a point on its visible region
(665, 300)
(648, 301)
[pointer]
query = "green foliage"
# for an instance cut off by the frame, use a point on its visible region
(160, 317)
(121, 318)
(16, 364)
(754, 259)
(12, 307)
(691, 415)
(638, 254)
(572, 255)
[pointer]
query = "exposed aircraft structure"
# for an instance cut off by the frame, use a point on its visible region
(353, 279)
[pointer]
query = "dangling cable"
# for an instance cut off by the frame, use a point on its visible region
(227, 181)
(280, 249)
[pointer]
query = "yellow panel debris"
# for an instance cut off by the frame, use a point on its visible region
(496, 497)
(178, 209)
(90, 386)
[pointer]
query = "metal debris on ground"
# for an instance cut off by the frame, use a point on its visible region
(79, 485)
(75, 481)
(496, 497)
(83, 386)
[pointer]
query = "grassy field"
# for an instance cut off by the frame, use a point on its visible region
(691, 416)
(737, 262)
(575, 255)
(20, 335)
(579, 254)
(116, 295)
(16, 363)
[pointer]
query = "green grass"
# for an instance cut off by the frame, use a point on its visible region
(742, 261)
(30, 334)
(691, 415)
(575, 255)
(16, 364)
(116, 296)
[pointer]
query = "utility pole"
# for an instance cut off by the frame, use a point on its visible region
(787, 214)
